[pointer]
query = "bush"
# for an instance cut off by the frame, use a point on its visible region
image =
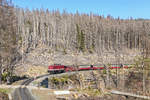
(4, 76)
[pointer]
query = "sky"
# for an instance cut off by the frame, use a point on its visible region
(116, 8)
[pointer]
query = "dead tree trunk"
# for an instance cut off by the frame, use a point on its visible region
(0, 70)
(143, 77)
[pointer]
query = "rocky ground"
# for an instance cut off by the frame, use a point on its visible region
(36, 61)
(93, 85)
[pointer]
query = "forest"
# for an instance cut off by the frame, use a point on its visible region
(22, 30)
(80, 32)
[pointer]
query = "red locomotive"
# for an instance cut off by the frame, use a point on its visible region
(58, 68)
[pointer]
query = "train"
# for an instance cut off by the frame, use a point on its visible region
(58, 68)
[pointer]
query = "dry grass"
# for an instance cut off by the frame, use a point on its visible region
(34, 71)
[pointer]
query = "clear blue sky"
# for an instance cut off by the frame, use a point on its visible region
(122, 8)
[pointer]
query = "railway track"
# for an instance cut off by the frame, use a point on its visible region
(28, 81)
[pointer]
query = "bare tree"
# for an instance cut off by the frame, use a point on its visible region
(67, 31)
(8, 37)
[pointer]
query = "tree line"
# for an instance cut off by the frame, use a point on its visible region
(81, 32)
